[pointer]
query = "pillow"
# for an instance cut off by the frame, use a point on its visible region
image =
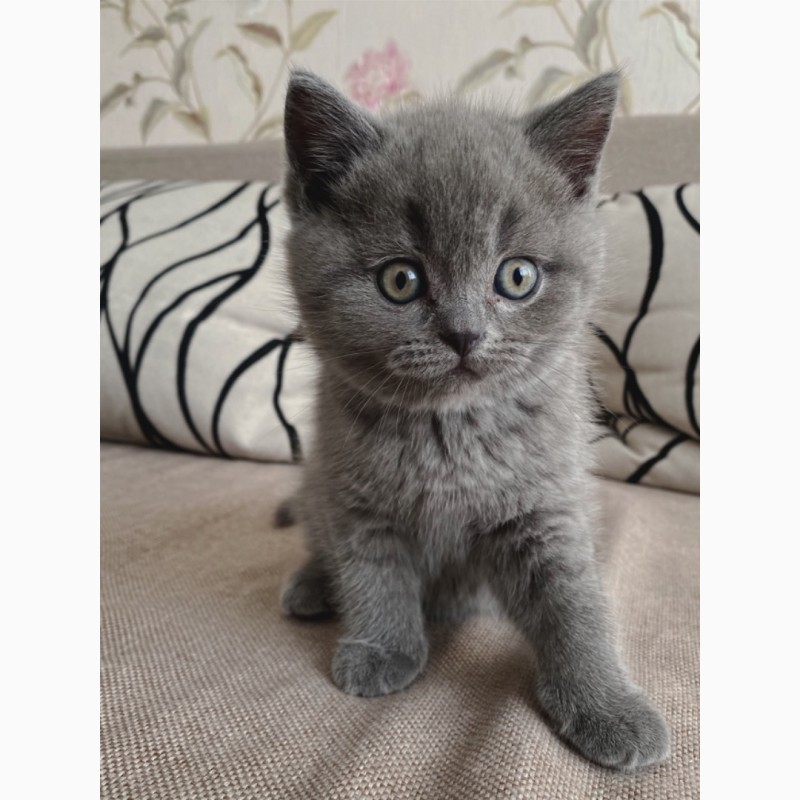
(196, 321)
(647, 349)
(197, 351)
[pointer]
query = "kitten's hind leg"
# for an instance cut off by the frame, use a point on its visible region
(307, 594)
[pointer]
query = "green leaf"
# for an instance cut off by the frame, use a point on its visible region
(156, 111)
(484, 70)
(194, 121)
(307, 30)
(247, 79)
(526, 3)
(686, 38)
(177, 16)
(181, 64)
(523, 45)
(589, 36)
(127, 14)
(113, 97)
(266, 35)
(149, 37)
(267, 126)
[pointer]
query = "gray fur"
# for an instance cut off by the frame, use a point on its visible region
(429, 485)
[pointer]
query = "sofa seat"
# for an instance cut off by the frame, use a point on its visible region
(209, 692)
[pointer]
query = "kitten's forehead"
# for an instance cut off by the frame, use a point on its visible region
(457, 156)
(457, 182)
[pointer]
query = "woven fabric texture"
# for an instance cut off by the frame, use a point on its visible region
(208, 692)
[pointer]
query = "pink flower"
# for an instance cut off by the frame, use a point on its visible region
(377, 76)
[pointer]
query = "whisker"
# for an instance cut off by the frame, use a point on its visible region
(330, 359)
(356, 394)
(364, 405)
(407, 384)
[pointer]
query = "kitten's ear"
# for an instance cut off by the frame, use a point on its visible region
(324, 134)
(572, 131)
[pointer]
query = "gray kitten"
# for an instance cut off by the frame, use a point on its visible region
(445, 260)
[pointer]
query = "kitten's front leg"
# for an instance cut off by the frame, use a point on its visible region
(543, 570)
(379, 595)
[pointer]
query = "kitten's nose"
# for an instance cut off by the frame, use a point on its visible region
(462, 342)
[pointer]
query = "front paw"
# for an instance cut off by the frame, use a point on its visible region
(626, 733)
(369, 670)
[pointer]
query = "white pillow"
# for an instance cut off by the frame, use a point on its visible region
(196, 326)
(196, 321)
(647, 352)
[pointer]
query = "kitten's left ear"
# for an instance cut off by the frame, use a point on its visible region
(572, 131)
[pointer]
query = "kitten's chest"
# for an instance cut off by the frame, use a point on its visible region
(459, 468)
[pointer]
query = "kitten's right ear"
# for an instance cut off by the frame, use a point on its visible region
(324, 134)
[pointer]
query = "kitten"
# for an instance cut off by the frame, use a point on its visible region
(445, 260)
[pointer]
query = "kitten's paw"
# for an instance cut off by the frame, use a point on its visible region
(306, 594)
(627, 734)
(369, 670)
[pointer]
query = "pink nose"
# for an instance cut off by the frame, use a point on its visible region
(462, 342)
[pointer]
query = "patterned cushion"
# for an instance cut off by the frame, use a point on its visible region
(647, 366)
(196, 328)
(196, 346)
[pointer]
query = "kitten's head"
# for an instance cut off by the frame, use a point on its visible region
(441, 252)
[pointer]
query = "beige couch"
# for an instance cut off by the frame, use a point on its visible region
(208, 692)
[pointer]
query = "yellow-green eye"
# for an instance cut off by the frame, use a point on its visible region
(517, 278)
(401, 282)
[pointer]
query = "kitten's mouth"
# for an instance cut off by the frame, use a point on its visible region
(465, 370)
(452, 382)
(461, 376)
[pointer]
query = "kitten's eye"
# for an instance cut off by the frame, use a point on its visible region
(401, 282)
(517, 278)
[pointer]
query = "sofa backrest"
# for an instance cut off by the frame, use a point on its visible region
(642, 151)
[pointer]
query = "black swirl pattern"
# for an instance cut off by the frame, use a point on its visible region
(638, 407)
(130, 359)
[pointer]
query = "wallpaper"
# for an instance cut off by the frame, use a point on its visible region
(193, 71)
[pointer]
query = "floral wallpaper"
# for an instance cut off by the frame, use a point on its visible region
(189, 71)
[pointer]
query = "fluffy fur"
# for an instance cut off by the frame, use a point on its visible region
(436, 476)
